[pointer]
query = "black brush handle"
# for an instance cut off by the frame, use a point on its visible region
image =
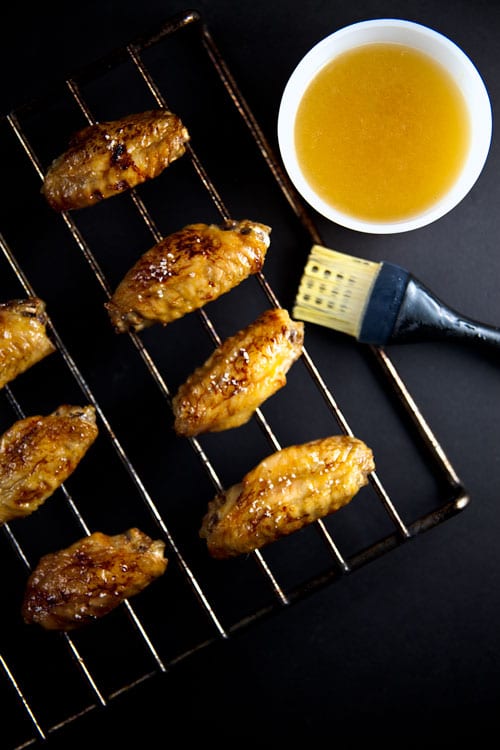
(424, 317)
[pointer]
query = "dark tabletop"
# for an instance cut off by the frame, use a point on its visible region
(407, 648)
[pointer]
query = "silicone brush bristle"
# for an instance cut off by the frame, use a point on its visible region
(334, 290)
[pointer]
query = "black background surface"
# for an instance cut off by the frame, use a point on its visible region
(407, 649)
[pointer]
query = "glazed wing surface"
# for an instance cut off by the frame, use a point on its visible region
(111, 157)
(37, 455)
(239, 376)
(77, 585)
(291, 488)
(23, 337)
(185, 271)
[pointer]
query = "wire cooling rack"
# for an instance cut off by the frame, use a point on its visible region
(138, 473)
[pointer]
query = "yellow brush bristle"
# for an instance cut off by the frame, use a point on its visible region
(335, 289)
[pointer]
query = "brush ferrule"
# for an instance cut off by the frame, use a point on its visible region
(384, 304)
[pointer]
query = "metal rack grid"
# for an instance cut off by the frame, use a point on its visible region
(139, 473)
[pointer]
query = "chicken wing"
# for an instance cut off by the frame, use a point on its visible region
(108, 158)
(286, 491)
(77, 585)
(185, 271)
(37, 455)
(23, 337)
(239, 376)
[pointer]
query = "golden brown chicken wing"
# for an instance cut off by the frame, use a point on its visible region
(239, 376)
(23, 337)
(110, 157)
(77, 585)
(185, 271)
(37, 455)
(291, 488)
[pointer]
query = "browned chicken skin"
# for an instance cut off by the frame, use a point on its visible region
(110, 157)
(75, 586)
(286, 491)
(185, 271)
(239, 376)
(37, 455)
(23, 337)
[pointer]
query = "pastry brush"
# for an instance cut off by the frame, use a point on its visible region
(379, 303)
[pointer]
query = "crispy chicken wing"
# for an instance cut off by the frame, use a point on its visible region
(37, 455)
(79, 584)
(23, 337)
(291, 488)
(186, 270)
(239, 376)
(110, 157)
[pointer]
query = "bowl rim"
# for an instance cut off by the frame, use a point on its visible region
(421, 37)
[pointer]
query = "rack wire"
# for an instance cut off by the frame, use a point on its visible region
(139, 473)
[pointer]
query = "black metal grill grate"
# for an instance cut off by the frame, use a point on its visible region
(139, 473)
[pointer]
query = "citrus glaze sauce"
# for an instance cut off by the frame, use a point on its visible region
(382, 132)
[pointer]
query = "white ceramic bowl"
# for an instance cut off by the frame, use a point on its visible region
(428, 41)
